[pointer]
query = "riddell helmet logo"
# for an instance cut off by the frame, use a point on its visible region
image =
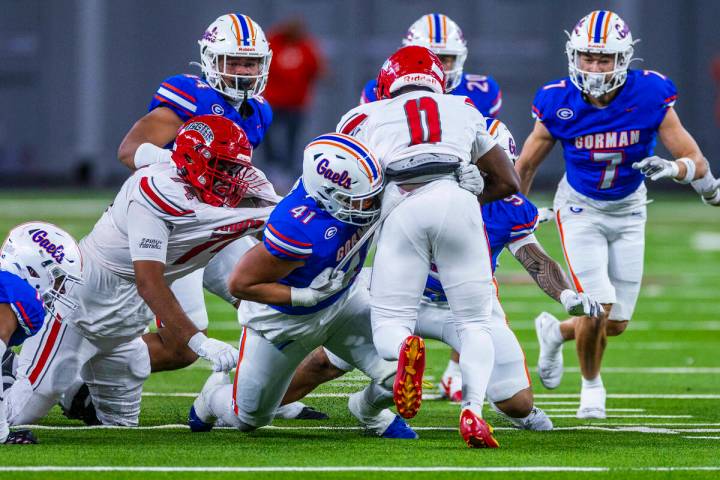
(56, 251)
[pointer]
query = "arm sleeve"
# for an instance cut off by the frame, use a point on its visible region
(147, 234)
(525, 221)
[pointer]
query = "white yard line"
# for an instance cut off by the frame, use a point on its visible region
(699, 437)
(249, 469)
(562, 410)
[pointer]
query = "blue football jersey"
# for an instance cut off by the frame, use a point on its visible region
(601, 144)
(298, 229)
(483, 90)
(25, 302)
(189, 96)
(506, 221)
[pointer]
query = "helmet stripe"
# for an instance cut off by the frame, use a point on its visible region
(591, 25)
(252, 29)
(373, 163)
(598, 26)
(245, 31)
(438, 30)
(430, 27)
(234, 19)
(606, 27)
(444, 28)
(351, 146)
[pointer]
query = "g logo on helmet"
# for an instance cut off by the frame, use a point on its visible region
(565, 113)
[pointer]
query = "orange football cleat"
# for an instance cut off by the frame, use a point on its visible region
(476, 432)
(407, 391)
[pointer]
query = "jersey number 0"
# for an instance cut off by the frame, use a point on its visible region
(423, 119)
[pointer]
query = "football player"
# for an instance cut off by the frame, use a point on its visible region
(296, 296)
(443, 36)
(608, 118)
(425, 138)
(167, 220)
(40, 264)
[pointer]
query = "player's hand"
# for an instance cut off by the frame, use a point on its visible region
(222, 356)
(656, 168)
(325, 285)
(470, 178)
(580, 304)
(545, 214)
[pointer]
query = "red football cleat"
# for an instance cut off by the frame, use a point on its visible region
(456, 396)
(407, 391)
(476, 432)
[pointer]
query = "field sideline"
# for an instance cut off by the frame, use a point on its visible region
(662, 377)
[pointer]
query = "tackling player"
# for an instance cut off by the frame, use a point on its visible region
(292, 303)
(39, 266)
(167, 220)
(444, 37)
(608, 119)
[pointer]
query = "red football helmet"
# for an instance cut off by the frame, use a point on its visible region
(213, 154)
(411, 65)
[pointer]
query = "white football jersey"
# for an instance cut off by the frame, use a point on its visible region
(419, 122)
(157, 216)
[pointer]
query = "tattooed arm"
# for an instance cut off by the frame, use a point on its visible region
(544, 270)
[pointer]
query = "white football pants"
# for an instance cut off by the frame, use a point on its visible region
(442, 223)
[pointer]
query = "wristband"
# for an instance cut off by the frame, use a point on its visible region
(149, 154)
(196, 341)
(302, 297)
(689, 170)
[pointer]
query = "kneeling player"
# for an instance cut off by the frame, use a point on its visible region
(39, 264)
(291, 302)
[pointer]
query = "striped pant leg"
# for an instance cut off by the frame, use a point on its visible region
(49, 362)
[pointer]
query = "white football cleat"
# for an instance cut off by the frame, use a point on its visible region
(537, 421)
(592, 403)
(550, 360)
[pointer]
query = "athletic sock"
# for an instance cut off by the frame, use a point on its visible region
(593, 383)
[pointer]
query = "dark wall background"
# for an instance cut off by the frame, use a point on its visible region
(75, 75)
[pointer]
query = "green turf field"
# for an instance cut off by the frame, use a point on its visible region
(662, 377)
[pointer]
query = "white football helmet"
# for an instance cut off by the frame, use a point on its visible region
(441, 35)
(344, 178)
(48, 258)
(601, 31)
(234, 35)
(501, 134)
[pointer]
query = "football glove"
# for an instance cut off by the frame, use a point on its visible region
(470, 178)
(545, 214)
(708, 188)
(222, 356)
(325, 285)
(579, 304)
(656, 168)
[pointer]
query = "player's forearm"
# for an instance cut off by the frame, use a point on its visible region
(499, 188)
(164, 305)
(526, 172)
(268, 293)
(546, 272)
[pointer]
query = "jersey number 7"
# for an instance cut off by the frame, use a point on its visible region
(423, 119)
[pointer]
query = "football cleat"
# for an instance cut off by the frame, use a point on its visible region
(81, 407)
(476, 432)
(592, 403)
(400, 430)
(550, 360)
(195, 423)
(537, 420)
(21, 437)
(200, 419)
(9, 368)
(309, 413)
(407, 390)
